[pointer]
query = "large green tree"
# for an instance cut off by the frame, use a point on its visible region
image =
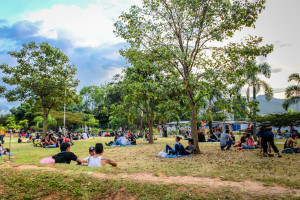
(184, 34)
(292, 93)
(42, 76)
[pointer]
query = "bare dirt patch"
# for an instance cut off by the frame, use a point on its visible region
(247, 185)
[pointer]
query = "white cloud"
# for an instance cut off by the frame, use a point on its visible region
(90, 26)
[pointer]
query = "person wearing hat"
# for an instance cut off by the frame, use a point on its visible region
(91, 152)
(97, 160)
(266, 136)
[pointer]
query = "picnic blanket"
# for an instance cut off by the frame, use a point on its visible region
(177, 156)
(124, 145)
(165, 155)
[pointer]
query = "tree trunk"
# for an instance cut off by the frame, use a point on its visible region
(194, 122)
(254, 113)
(45, 121)
(151, 139)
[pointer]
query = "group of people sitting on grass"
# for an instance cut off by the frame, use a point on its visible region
(94, 160)
(122, 140)
(179, 149)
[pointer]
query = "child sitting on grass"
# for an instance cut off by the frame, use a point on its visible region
(97, 160)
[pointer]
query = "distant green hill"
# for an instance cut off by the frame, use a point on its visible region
(273, 106)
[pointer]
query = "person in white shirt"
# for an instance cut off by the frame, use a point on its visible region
(97, 160)
(121, 140)
(84, 136)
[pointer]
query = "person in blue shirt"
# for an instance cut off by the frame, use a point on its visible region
(267, 136)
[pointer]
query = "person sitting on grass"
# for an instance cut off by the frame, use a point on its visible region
(112, 142)
(97, 160)
(233, 137)
(289, 143)
(226, 140)
(266, 136)
(187, 135)
(132, 139)
(174, 151)
(92, 153)
(242, 141)
(20, 139)
(212, 137)
(250, 144)
(190, 149)
(201, 136)
(66, 156)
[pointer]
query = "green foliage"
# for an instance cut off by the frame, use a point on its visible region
(281, 119)
(42, 76)
(90, 120)
(292, 92)
(11, 123)
(23, 123)
(182, 34)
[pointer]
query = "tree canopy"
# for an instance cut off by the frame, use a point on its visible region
(42, 77)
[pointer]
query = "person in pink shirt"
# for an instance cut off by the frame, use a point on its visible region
(250, 144)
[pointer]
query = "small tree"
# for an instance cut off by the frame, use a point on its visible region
(42, 76)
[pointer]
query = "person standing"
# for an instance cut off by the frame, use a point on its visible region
(165, 130)
(266, 136)
(2, 134)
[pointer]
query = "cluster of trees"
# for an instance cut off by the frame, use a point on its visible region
(44, 80)
(181, 65)
(279, 120)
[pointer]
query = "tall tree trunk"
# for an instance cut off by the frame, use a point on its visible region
(151, 139)
(194, 122)
(210, 116)
(45, 115)
(254, 113)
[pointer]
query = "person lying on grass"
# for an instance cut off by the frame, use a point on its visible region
(112, 142)
(97, 160)
(289, 143)
(66, 156)
(5, 152)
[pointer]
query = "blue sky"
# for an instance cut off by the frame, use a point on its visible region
(83, 29)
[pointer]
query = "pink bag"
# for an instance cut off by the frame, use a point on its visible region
(48, 160)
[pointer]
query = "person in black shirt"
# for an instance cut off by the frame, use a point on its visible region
(132, 139)
(212, 138)
(201, 137)
(65, 156)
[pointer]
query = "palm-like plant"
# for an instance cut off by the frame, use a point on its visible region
(256, 84)
(292, 93)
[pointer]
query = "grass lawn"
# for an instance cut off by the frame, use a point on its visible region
(215, 174)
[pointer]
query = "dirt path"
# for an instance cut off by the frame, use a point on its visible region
(248, 186)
